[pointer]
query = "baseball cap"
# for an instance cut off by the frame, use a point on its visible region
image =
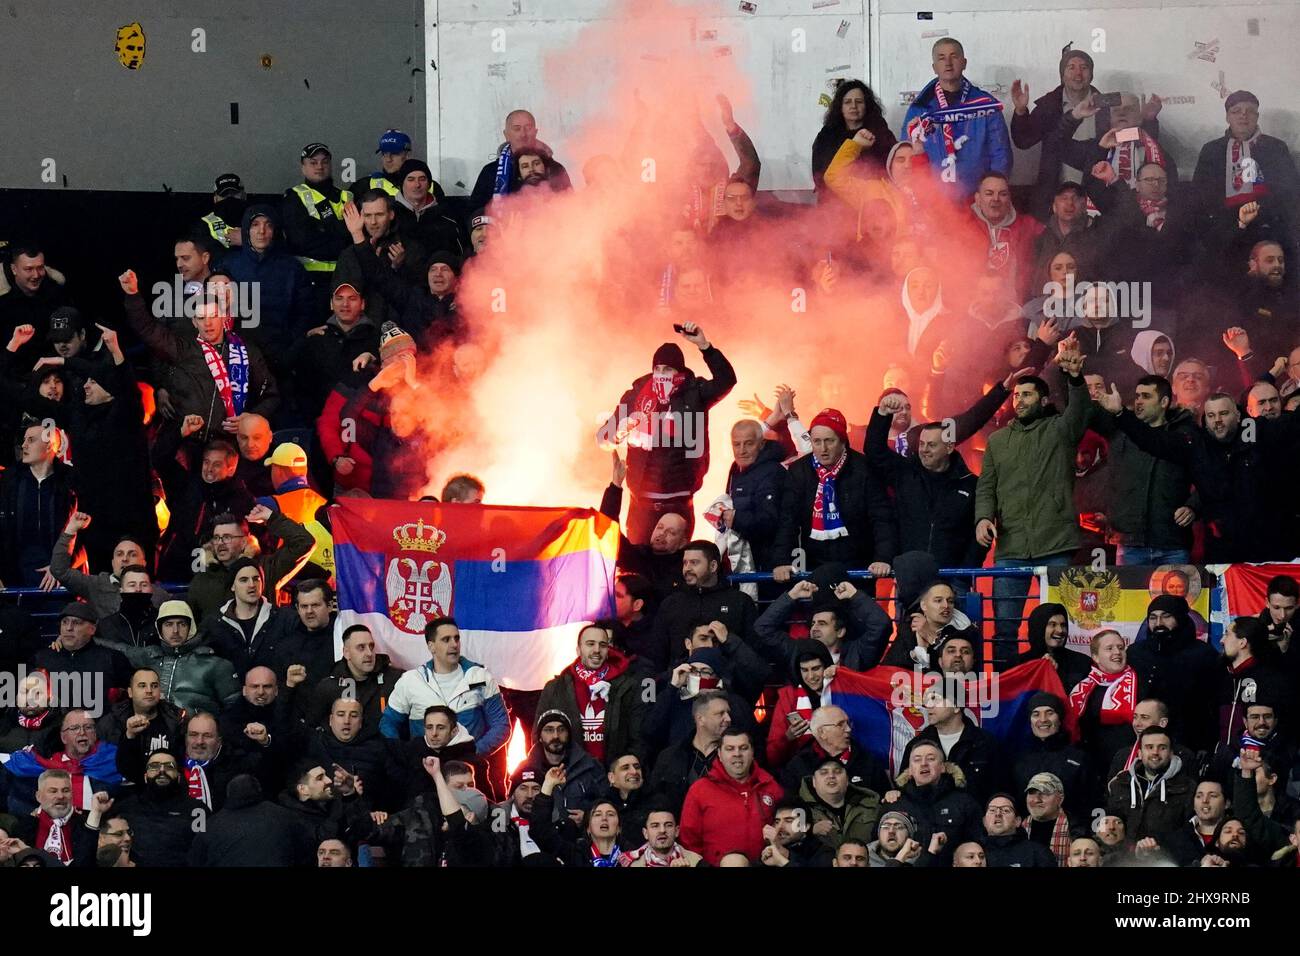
(288, 455)
(394, 141)
(228, 184)
(1045, 783)
(65, 323)
(311, 149)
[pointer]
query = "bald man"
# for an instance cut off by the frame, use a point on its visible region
(254, 437)
(755, 484)
(501, 176)
(261, 718)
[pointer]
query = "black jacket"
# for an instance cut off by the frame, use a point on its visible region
(756, 497)
(669, 470)
(677, 768)
(373, 758)
(295, 644)
(863, 768)
(935, 511)
(32, 516)
(1234, 484)
(943, 805)
(1185, 673)
(1056, 755)
(163, 733)
(164, 826)
(319, 237)
(372, 692)
(864, 641)
(864, 509)
(230, 762)
(1016, 850)
(663, 571)
(481, 194)
(687, 605)
(324, 360)
(253, 832)
(91, 659)
(979, 754)
(1277, 169)
(84, 840)
(430, 319)
(1145, 491)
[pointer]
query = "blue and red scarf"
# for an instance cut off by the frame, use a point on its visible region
(827, 522)
(963, 108)
(230, 376)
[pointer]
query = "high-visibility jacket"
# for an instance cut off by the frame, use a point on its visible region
(316, 204)
(300, 504)
(217, 228)
(384, 183)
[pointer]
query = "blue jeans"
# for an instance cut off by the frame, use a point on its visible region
(1009, 596)
(1151, 556)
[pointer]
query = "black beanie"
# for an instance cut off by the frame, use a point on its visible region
(447, 258)
(670, 353)
(414, 165)
(1170, 604)
(1044, 699)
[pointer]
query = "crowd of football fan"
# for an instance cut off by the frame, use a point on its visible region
(231, 734)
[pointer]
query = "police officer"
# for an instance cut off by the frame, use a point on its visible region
(394, 149)
(313, 221)
(228, 202)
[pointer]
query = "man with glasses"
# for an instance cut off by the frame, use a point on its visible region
(210, 588)
(91, 764)
(116, 840)
(832, 736)
(164, 817)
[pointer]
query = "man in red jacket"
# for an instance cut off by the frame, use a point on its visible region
(1004, 240)
(726, 810)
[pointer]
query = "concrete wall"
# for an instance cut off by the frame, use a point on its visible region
(339, 72)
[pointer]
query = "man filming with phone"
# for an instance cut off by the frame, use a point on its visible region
(664, 418)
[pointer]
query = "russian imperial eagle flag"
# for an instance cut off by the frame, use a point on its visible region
(884, 704)
(519, 581)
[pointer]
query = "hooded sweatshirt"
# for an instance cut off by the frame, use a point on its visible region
(1071, 666)
(284, 306)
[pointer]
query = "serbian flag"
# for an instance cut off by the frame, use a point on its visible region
(885, 703)
(519, 581)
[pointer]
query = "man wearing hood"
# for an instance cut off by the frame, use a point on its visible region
(791, 727)
(1007, 843)
(1024, 498)
(1183, 671)
(950, 110)
(726, 810)
(554, 746)
(193, 677)
(1005, 240)
(164, 817)
(1155, 797)
(932, 792)
(664, 418)
(1049, 750)
(1049, 630)
(217, 375)
(597, 693)
(501, 176)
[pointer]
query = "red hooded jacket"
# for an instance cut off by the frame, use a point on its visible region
(722, 815)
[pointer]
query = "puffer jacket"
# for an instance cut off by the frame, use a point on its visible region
(756, 497)
(722, 815)
(1027, 481)
(192, 676)
(941, 806)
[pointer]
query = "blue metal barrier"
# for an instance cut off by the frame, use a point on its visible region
(972, 602)
(45, 607)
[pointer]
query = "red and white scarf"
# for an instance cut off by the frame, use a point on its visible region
(949, 143)
(1244, 181)
(51, 837)
(196, 780)
(231, 379)
(1120, 695)
(527, 846)
(827, 522)
(592, 692)
(652, 858)
(648, 421)
(1124, 157)
(32, 723)
(1155, 210)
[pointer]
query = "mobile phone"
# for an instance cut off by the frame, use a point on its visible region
(679, 328)
(792, 718)
(1110, 99)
